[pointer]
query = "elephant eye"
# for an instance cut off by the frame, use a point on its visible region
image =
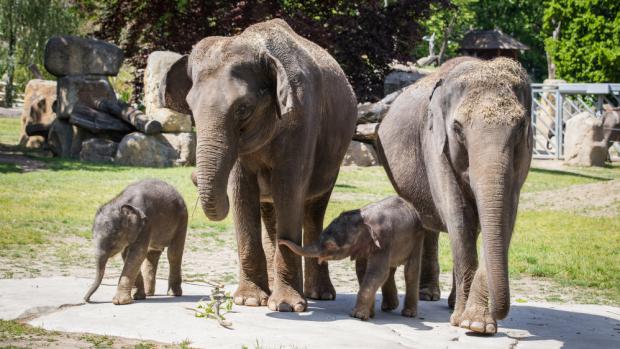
(243, 111)
(458, 130)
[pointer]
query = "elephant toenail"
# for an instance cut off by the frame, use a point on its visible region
(238, 300)
(299, 307)
(283, 307)
(491, 329)
(252, 302)
(477, 326)
(327, 296)
(464, 324)
(273, 306)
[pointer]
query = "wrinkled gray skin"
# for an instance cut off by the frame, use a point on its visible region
(139, 223)
(379, 237)
(274, 116)
(462, 169)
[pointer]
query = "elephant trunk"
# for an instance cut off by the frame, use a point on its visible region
(102, 259)
(215, 156)
(312, 251)
(493, 192)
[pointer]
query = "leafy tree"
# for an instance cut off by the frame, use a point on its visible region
(363, 36)
(25, 26)
(521, 19)
(588, 46)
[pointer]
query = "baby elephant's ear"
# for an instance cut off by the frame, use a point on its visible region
(175, 86)
(373, 235)
(133, 220)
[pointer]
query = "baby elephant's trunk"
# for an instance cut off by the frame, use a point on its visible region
(312, 251)
(101, 262)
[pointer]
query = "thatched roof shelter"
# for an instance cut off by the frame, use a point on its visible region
(489, 44)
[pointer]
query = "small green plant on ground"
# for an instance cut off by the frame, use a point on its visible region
(216, 307)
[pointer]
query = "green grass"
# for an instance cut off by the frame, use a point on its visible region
(570, 248)
(9, 130)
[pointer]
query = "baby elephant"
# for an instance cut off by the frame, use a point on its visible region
(379, 237)
(140, 222)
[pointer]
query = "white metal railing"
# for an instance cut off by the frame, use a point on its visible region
(553, 105)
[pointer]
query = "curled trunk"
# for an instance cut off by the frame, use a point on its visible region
(312, 251)
(101, 262)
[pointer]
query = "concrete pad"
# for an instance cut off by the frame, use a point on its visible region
(325, 324)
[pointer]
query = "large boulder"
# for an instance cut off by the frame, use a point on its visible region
(86, 90)
(584, 141)
(37, 114)
(170, 120)
(73, 55)
(156, 67)
(162, 150)
(360, 154)
(60, 137)
(98, 150)
(366, 132)
(402, 76)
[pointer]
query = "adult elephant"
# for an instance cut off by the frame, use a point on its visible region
(458, 146)
(274, 114)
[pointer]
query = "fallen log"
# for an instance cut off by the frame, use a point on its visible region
(131, 115)
(97, 121)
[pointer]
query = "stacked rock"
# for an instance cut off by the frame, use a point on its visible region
(176, 145)
(37, 114)
(92, 124)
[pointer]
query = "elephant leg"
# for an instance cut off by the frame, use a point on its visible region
(133, 257)
(452, 297)
(389, 293)
(149, 271)
(288, 197)
(412, 281)
(429, 278)
(317, 284)
(253, 287)
(477, 315)
(360, 269)
(269, 237)
(175, 259)
(377, 273)
(465, 256)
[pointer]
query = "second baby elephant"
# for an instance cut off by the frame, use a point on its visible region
(139, 223)
(379, 237)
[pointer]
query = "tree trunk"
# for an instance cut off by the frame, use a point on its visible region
(8, 90)
(444, 42)
(550, 64)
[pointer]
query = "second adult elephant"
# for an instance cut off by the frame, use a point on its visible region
(274, 116)
(458, 146)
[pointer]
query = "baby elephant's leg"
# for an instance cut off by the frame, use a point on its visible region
(377, 272)
(133, 257)
(360, 270)
(412, 281)
(139, 293)
(149, 271)
(175, 258)
(389, 293)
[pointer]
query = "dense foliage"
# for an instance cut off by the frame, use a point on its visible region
(363, 36)
(521, 19)
(588, 47)
(25, 26)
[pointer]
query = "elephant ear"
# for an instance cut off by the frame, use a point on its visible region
(375, 226)
(175, 85)
(133, 221)
(436, 120)
(283, 91)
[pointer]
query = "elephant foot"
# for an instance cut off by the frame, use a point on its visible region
(285, 298)
(389, 302)
(430, 293)
(478, 319)
(176, 291)
(121, 299)
(251, 295)
(363, 313)
(139, 294)
(322, 290)
(409, 312)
